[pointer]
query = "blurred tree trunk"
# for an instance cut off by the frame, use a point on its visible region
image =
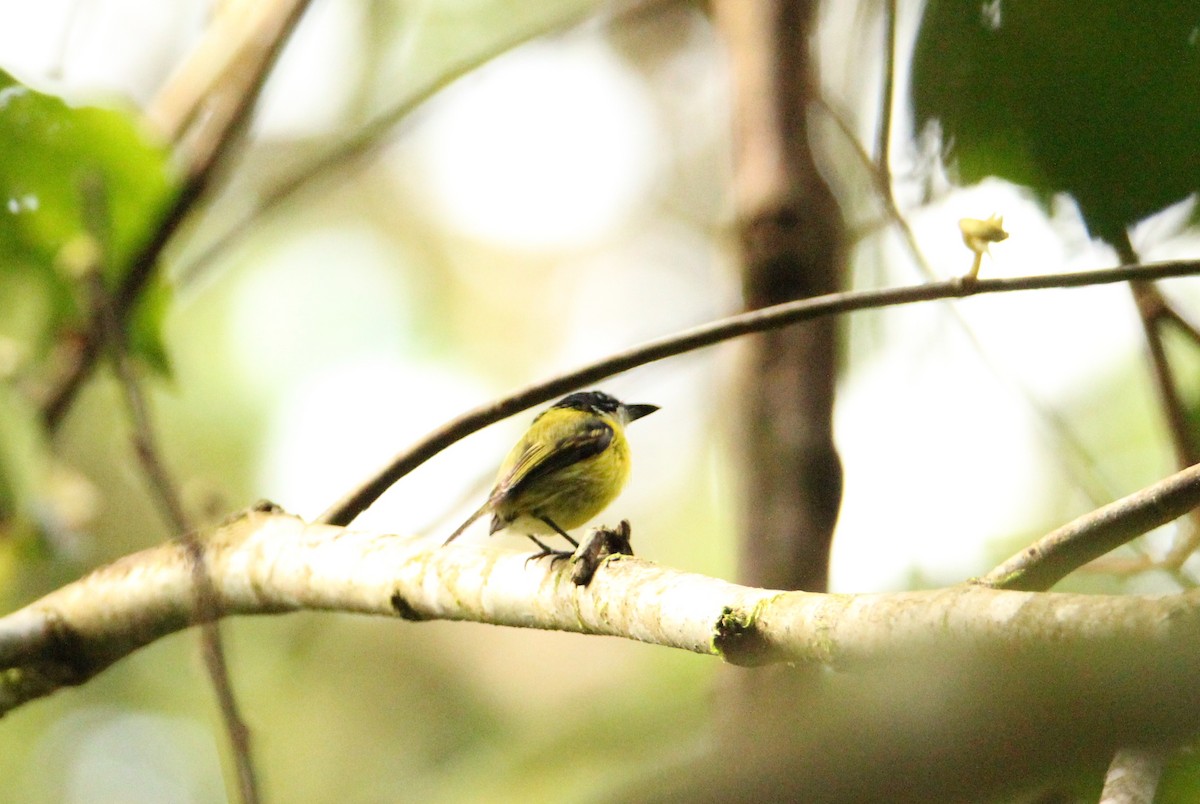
(791, 237)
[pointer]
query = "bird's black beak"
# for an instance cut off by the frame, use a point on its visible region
(638, 411)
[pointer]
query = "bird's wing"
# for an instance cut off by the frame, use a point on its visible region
(539, 460)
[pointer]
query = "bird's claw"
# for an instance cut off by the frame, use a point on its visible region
(555, 556)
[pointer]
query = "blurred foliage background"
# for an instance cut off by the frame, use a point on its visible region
(566, 200)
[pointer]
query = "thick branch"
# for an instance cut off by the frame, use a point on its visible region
(1133, 776)
(270, 563)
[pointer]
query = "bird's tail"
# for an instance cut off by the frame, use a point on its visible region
(483, 509)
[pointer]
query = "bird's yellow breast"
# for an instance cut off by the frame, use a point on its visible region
(569, 495)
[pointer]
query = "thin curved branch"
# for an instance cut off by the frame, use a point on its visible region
(780, 315)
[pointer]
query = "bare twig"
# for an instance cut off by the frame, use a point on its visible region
(1150, 304)
(1134, 773)
(166, 493)
(1189, 327)
(1154, 312)
(366, 140)
(781, 315)
(884, 141)
(108, 328)
(883, 190)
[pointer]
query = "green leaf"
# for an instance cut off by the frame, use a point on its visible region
(1100, 100)
(48, 151)
(1181, 777)
(146, 325)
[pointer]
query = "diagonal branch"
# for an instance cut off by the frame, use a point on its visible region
(226, 109)
(1134, 775)
(1056, 555)
(165, 491)
(372, 136)
(781, 315)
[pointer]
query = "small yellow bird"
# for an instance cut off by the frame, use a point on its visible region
(570, 464)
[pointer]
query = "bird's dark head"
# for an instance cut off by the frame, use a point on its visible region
(603, 404)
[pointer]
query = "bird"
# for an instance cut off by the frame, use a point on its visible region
(567, 467)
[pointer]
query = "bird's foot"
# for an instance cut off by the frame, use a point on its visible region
(547, 550)
(555, 555)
